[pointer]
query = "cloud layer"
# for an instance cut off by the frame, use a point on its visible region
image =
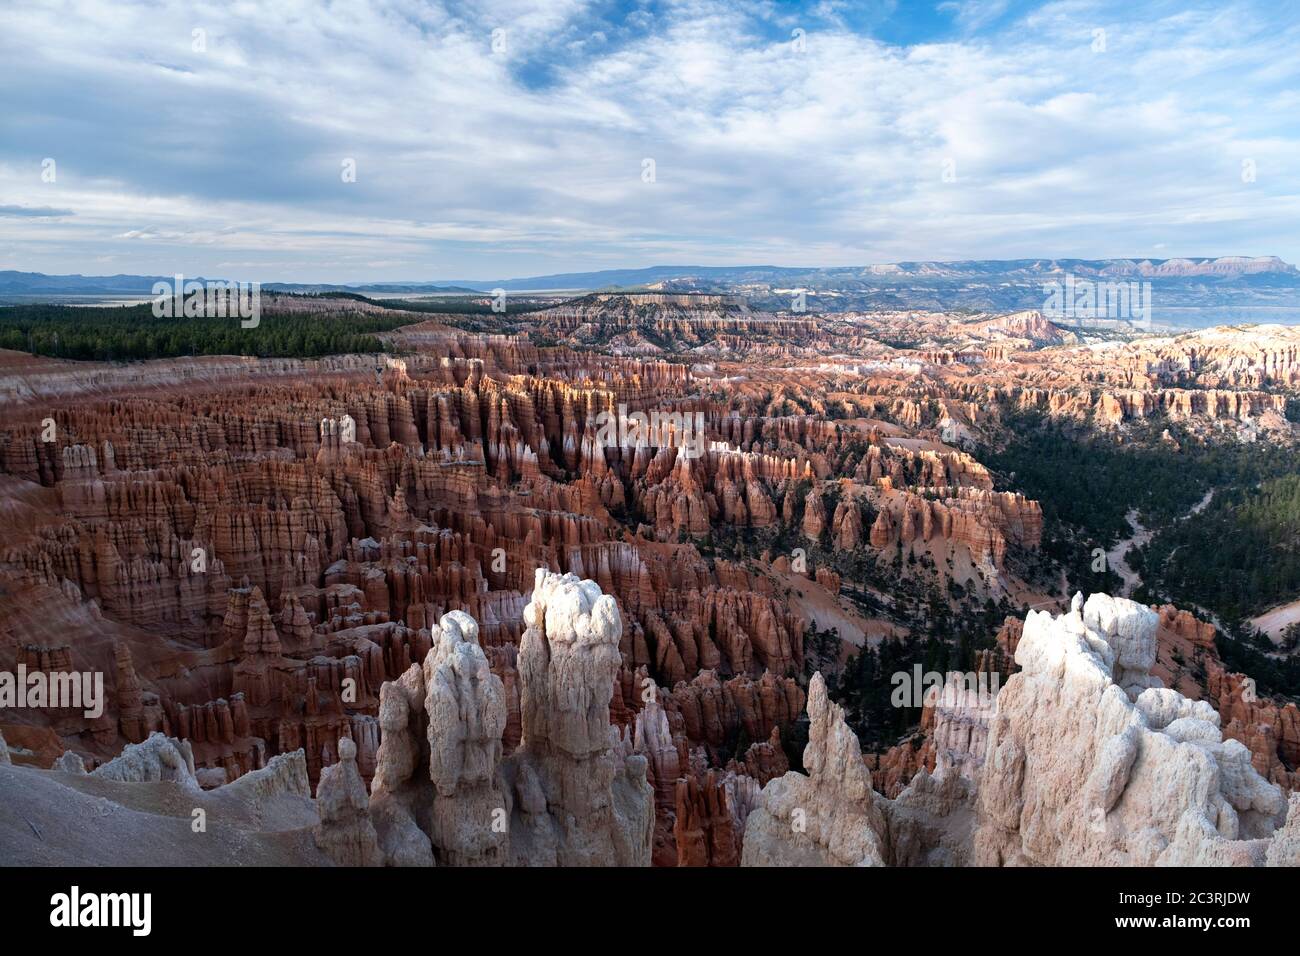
(521, 137)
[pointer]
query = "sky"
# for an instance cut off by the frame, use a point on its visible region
(400, 140)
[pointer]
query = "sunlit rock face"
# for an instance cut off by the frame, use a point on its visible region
(1083, 759)
(1090, 761)
(573, 794)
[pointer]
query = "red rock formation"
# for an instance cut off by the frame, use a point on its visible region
(205, 533)
(706, 827)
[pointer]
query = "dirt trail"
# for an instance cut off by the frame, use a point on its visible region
(1115, 556)
(1141, 536)
(1277, 619)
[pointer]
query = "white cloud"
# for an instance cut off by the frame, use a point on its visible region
(482, 164)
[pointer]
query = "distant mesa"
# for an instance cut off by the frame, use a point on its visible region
(717, 277)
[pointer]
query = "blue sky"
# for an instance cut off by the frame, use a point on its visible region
(510, 138)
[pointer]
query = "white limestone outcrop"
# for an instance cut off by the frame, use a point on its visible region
(962, 713)
(1090, 762)
(466, 706)
(583, 798)
(1081, 759)
(70, 762)
(345, 833)
(831, 816)
(1284, 848)
(398, 793)
(158, 757)
(572, 794)
(285, 775)
(436, 789)
(146, 810)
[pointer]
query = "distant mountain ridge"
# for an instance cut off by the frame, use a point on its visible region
(15, 283)
(1188, 292)
(38, 283)
(1222, 266)
(387, 288)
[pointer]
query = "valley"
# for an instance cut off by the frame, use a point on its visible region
(259, 550)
